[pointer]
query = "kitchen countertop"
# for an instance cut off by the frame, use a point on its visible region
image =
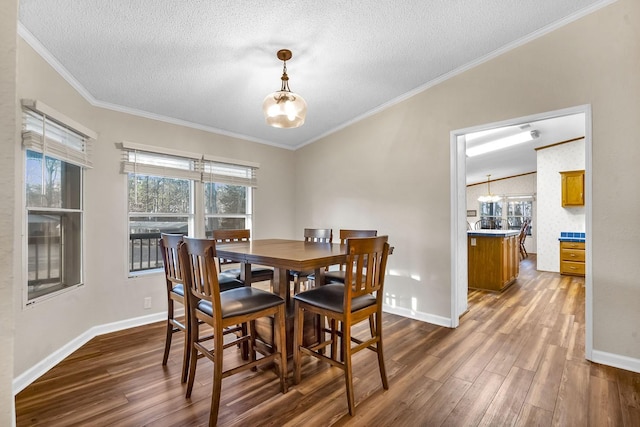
(571, 236)
(492, 233)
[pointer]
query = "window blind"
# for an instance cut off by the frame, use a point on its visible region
(45, 135)
(226, 173)
(156, 161)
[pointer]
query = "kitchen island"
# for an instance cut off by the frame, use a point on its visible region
(493, 261)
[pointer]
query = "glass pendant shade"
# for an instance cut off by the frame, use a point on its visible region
(284, 109)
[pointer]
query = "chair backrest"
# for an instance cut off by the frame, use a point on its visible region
(318, 235)
(365, 267)
(197, 258)
(169, 244)
(346, 234)
(230, 236)
(524, 229)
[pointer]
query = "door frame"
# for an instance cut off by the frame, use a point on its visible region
(459, 271)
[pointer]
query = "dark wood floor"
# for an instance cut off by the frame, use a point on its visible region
(516, 359)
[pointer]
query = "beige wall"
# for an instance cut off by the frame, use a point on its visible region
(8, 134)
(108, 294)
(394, 167)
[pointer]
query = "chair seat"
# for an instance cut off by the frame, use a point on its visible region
(178, 289)
(331, 297)
(242, 301)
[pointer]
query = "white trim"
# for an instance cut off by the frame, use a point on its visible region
(459, 238)
(40, 368)
(616, 361)
(416, 315)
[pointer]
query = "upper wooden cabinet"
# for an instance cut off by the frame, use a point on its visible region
(572, 188)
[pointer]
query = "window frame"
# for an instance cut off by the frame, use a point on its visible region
(53, 135)
(206, 169)
(504, 216)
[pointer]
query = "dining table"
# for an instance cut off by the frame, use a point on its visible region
(284, 256)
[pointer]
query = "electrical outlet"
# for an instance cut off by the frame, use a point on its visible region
(147, 302)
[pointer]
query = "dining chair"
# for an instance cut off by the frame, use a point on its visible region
(350, 303)
(258, 273)
(223, 311)
(338, 275)
(311, 235)
(522, 237)
(169, 244)
(175, 294)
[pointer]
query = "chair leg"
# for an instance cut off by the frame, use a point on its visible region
(244, 345)
(167, 341)
(378, 332)
(348, 372)
(217, 377)
(251, 325)
(297, 342)
(193, 356)
(186, 350)
(280, 335)
(334, 339)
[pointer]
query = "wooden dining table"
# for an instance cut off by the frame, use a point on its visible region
(284, 256)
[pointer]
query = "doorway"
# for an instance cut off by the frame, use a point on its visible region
(459, 272)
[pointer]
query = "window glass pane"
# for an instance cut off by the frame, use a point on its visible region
(156, 205)
(491, 215)
(225, 199)
(226, 207)
(224, 224)
(61, 183)
(518, 212)
(144, 235)
(152, 194)
(54, 251)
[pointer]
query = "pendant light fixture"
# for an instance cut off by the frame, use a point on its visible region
(489, 198)
(284, 109)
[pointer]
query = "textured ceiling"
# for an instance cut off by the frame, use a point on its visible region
(210, 64)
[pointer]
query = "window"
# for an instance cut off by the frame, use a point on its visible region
(518, 209)
(517, 212)
(55, 156)
(227, 196)
(177, 192)
(491, 215)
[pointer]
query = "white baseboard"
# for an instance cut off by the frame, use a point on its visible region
(616, 361)
(35, 372)
(423, 317)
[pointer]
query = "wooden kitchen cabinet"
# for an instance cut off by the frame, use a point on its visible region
(572, 188)
(572, 258)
